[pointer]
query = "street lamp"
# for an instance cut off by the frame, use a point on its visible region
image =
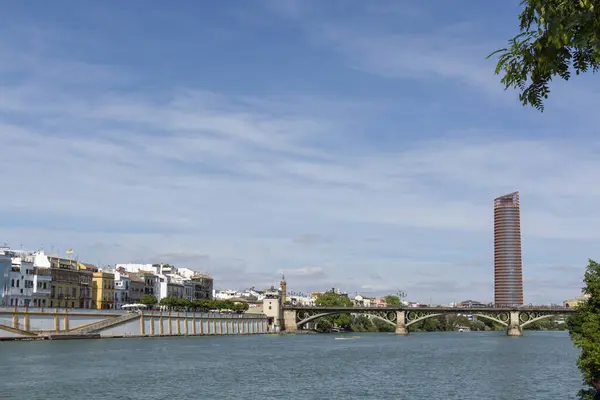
(401, 296)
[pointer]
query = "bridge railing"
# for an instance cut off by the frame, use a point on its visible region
(490, 306)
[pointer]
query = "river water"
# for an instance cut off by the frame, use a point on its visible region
(474, 365)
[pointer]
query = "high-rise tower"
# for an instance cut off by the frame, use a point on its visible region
(508, 266)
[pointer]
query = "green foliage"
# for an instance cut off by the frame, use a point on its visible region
(556, 35)
(323, 325)
(585, 327)
(362, 323)
(333, 299)
(149, 300)
(550, 324)
(392, 300)
(450, 322)
(175, 303)
(382, 326)
(163, 265)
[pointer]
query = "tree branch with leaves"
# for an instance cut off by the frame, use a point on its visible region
(557, 37)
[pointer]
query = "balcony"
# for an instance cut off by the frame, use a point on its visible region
(45, 292)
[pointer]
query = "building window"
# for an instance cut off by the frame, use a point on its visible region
(17, 283)
(12, 284)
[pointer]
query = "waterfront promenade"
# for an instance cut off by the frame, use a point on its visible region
(29, 323)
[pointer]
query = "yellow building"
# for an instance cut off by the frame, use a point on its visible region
(103, 290)
(575, 302)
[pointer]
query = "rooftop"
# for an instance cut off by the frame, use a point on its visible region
(507, 196)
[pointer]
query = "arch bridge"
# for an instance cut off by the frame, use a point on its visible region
(513, 318)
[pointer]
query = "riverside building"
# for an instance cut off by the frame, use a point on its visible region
(27, 278)
(103, 290)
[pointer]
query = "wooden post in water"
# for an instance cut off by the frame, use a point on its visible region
(161, 329)
(26, 319)
(151, 323)
(66, 319)
(142, 324)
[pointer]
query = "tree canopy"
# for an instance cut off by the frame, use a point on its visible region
(557, 37)
(149, 300)
(336, 300)
(392, 300)
(177, 303)
(584, 326)
(333, 299)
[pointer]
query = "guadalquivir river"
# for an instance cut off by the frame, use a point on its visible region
(490, 365)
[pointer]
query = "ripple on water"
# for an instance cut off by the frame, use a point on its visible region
(540, 365)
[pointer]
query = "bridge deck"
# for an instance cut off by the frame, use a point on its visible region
(562, 310)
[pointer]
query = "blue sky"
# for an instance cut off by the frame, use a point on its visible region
(346, 143)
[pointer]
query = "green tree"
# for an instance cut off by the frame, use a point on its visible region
(585, 327)
(333, 299)
(149, 300)
(383, 326)
(556, 36)
(362, 323)
(392, 300)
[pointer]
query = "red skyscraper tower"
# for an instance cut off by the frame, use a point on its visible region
(508, 265)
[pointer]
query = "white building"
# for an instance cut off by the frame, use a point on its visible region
(188, 289)
(27, 280)
(186, 272)
(226, 294)
(300, 300)
(136, 267)
(272, 310)
(122, 289)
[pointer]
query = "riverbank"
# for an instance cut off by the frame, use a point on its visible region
(64, 324)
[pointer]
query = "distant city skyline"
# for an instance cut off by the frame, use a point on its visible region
(355, 145)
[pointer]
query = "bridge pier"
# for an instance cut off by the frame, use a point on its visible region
(289, 321)
(401, 329)
(514, 327)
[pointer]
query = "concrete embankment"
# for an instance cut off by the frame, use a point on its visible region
(40, 324)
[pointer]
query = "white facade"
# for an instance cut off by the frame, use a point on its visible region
(122, 289)
(188, 289)
(299, 300)
(230, 294)
(136, 267)
(28, 280)
(170, 281)
(186, 272)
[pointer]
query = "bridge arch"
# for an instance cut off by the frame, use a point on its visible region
(531, 321)
(493, 319)
(484, 316)
(333, 313)
(424, 317)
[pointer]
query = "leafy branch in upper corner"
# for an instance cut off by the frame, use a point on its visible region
(557, 36)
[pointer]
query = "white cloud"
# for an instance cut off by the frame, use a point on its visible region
(231, 184)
